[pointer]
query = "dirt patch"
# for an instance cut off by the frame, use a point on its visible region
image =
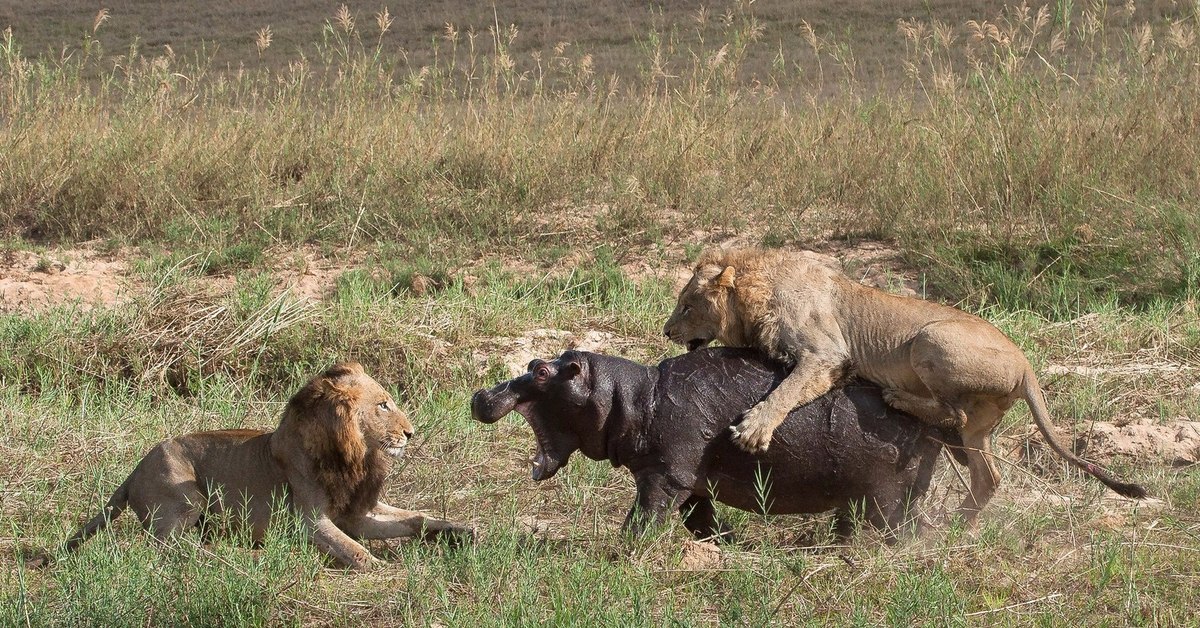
(1142, 441)
(870, 262)
(516, 353)
(309, 275)
(1133, 368)
(1176, 443)
(876, 264)
(34, 281)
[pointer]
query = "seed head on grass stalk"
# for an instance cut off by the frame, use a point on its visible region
(262, 39)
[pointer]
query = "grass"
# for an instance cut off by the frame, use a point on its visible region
(1038, 169)
(1017, 163)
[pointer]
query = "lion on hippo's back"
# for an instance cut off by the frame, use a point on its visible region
(940, 364)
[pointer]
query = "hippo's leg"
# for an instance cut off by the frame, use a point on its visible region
(700, 518)
(884, 513)
(845, 523)
(657, 497)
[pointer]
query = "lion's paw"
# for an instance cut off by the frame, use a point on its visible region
(753, 434)
(366, 563)
(457, 536)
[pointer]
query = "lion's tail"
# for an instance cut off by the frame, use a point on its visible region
(1041, 416)
(113, 509)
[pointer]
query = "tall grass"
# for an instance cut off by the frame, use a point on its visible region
(1031, 160)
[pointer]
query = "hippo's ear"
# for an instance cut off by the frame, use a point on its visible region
(571, 369)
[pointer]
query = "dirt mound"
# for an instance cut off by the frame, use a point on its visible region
(309, 275)
(872, 263)
(34, 281)
(516, 353)
(697, 556)
(1176, 443)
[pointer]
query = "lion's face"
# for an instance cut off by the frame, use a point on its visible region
(702, 312)
(345, 411)
(383, 423)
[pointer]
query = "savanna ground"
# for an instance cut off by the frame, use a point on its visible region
(199, 212)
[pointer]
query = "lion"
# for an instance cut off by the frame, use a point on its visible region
(940, 364)
(327, 461)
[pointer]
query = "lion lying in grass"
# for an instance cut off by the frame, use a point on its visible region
(328, 460)
(940, 364)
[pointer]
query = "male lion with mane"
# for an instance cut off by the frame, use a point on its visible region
(940, 364)
(328, 460)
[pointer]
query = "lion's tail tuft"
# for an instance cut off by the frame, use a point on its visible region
(1041, 416)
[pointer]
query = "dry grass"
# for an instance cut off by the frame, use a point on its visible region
(1024, 160)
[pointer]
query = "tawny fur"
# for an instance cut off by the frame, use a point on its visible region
(328, 460)
(943, 365)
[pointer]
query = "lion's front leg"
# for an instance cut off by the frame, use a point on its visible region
(333, 541)
(809, 380)
(388, 522)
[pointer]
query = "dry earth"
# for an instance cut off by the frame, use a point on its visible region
(32, 281)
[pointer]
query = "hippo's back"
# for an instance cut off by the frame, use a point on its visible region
(845, 445)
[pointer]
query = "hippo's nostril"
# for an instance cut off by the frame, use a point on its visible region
(667, 334)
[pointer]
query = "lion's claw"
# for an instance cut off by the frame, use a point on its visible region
(750, 434)
(749, 441)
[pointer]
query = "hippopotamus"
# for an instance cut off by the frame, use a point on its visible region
(669, 426)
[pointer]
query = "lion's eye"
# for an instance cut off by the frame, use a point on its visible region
(383, 405)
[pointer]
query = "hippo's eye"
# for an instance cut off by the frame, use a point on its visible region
(685, 310)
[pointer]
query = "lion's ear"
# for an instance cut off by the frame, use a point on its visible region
(725, 279)
(708, 272)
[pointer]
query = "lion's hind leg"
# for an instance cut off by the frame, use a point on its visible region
(977, 442)
(175, 509)
(927, 409)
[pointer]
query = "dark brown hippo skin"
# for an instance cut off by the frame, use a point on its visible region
(669, 425)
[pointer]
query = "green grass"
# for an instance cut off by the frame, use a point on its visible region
(1050, 189)
(80, 419)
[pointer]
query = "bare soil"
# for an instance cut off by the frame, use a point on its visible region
(34, 281)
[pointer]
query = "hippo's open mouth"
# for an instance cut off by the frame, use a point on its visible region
(545, 461)
(697, 343)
